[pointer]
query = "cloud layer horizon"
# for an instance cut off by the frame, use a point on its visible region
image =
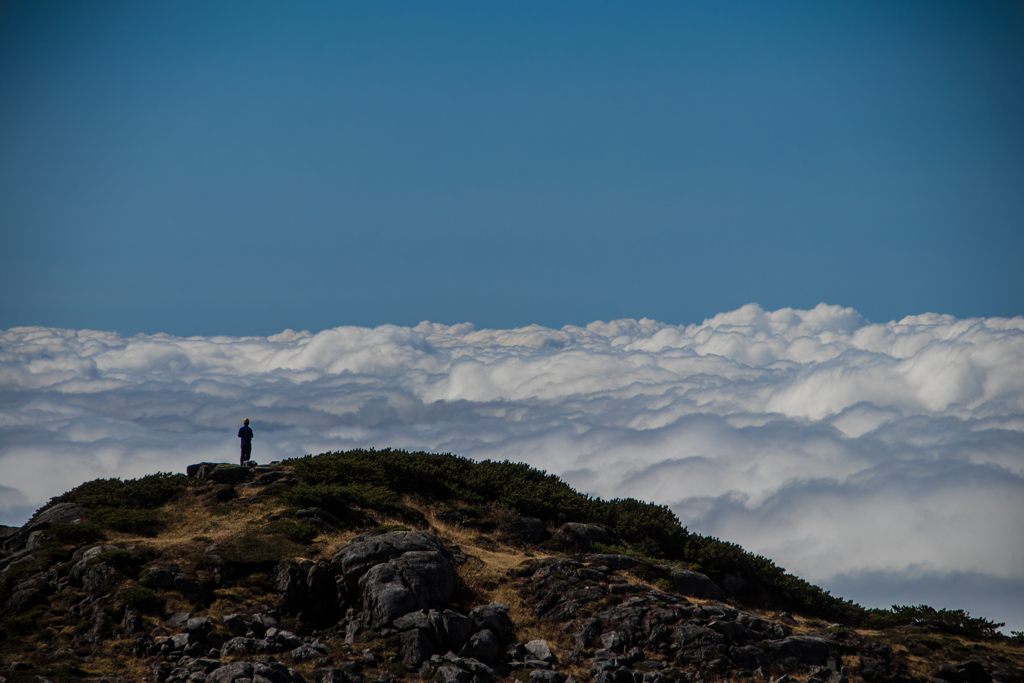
(837, 447)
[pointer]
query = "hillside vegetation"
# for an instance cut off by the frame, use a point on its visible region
(91, 586)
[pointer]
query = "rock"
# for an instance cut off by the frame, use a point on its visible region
(581, 536)
(230, 673)
(482, 646)
(224, 493)
(270, 477)
(539, 650)
(242, 646)
(415, 580)
(199, 626)
(235, 624)
(190, 589)
(453, 674)
(61, 513)
(369, 550)
(587, 574)
(696, 585)
(36, 540)
(100, 578)
(948, 672)
(24, 600)
(177, 619)
(494, 618)
(321, 606)
(285, 639)
(450, 517)
(697, 643)
(304, 652)
(291, 584)
(132, 622)
(317, 516)
(331, 675)
(528, 530)
(972, 671)
(732, 629)
(416, 646)
(229, 474)
(799, 651)
(159, 578)
(457, 629)
(749, 657)
(545, 676)
(193, 470)
(613, 562)
(272, 673)
(262, 622)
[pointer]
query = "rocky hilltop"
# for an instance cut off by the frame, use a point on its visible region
(387, 566)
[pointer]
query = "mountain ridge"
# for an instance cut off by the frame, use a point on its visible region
(95, 575)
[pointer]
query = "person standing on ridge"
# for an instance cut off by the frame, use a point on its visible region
(245, 434)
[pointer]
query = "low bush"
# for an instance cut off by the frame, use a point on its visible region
(259, 550)
(128, 563)
(146, 493)
(955, 622)
(76, 534)
(25, 624)
(295, 531)
(129, 521)
(376, 480)
(139, 598)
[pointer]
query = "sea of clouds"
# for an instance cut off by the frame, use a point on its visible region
(857, 455)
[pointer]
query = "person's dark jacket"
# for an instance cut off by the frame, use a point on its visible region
(245, 434)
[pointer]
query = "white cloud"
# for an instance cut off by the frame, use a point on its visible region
(830, 444)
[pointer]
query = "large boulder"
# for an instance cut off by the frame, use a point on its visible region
(573, 535)
(231, 672)
(390, 575)
(61, 513)
(368, 550)
(698, 644)
(419, 579)
(494, 618)
(799, 651)
(695, 585)
(528, 530)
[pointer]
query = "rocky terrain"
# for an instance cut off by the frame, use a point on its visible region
(219, 577)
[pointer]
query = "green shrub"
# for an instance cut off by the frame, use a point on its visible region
(954, 622)
(128, 563)
(146, 493)
(139, 598)
(259, 550)
(298, 532)
(21, 625)
(75, 534)
(129, 521)
(376, 480)
(278, 488)
(339, 498)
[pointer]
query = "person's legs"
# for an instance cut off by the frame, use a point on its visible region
(246, 452)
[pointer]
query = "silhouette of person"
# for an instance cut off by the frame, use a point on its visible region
(245, 434)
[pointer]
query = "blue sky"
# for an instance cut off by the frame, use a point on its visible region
(242, 168)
